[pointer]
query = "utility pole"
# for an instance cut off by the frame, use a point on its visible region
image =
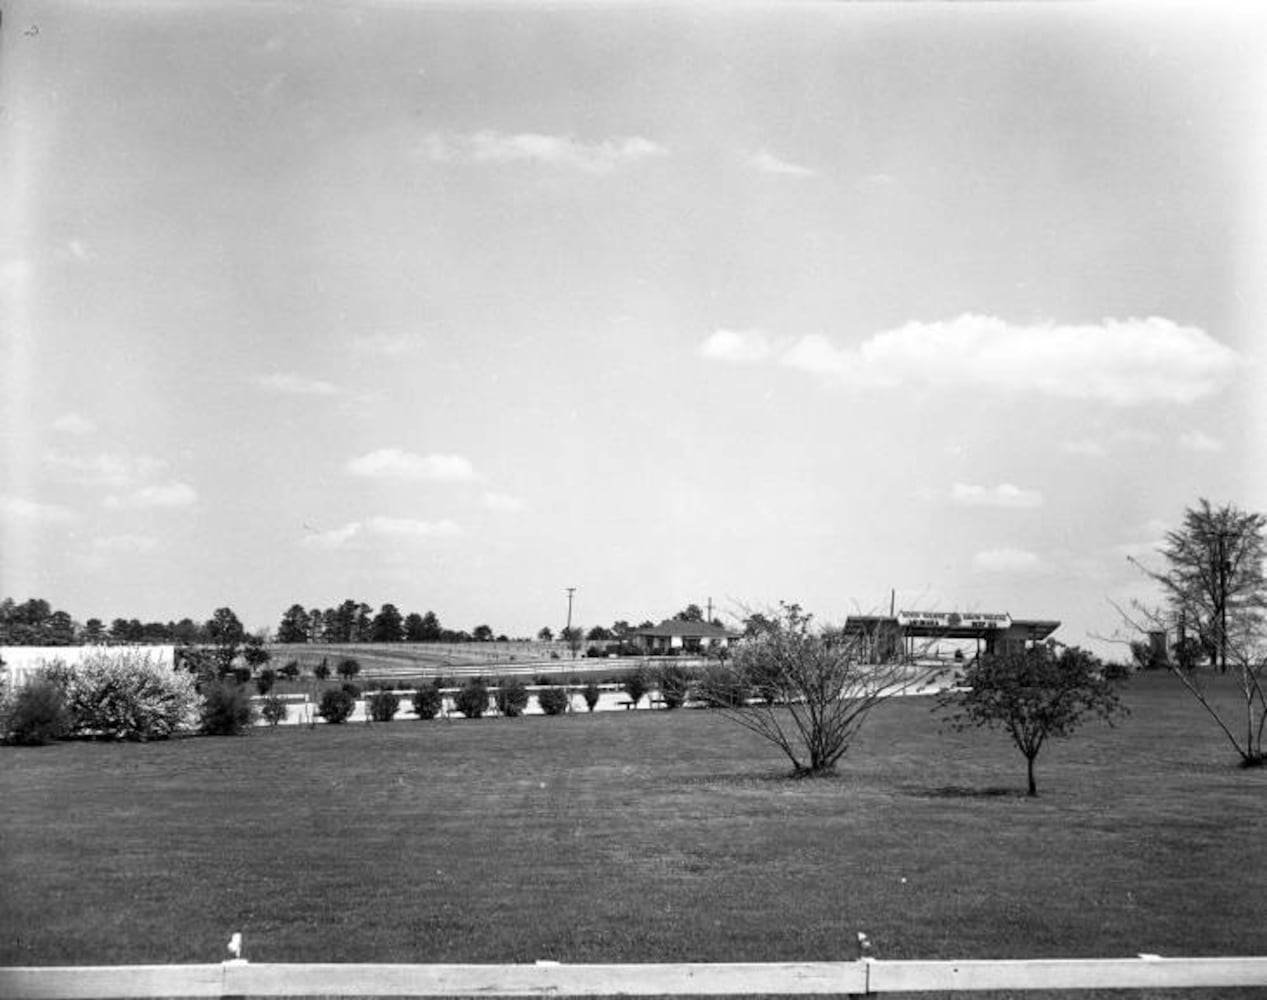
(568, 630)
(709, 616)
(567, 635)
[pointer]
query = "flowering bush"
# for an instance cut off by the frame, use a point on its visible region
(130, 695)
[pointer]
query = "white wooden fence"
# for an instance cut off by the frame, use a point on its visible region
(547, 979)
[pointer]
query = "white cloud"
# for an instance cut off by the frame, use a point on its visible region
(492, 147)
(1120, 362)
(502, 502)
(73, 423)
(736, 346)
(332, 539)
(1086, 447)
(815, 353)
(1006, 561)
(115, 471)
(1198, 441)
(767, 163)
(1135, 436)
(33, 512)
(1003, 495)
(173, 494)
(388, 344)
(404, 527)
(393, 529)
(121, 544)
(393, 463)
(291, 384)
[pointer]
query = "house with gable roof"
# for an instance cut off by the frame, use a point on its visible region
(673, 636)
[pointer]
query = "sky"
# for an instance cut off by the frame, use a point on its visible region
(938, 306)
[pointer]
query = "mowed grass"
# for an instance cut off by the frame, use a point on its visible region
(633, 837)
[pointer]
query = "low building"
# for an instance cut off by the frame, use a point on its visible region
(907, 632)
(673, 636)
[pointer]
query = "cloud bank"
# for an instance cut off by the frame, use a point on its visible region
(393, 463)
(74, 423)
(1003, 495)
(767, 163)
(290, 384)
(24, 511)
(381, 528)
(1120, 362)
(106, 469)
(737, 346)
(170, 495)
(497, 148)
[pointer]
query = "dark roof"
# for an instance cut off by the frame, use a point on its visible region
(674, 626)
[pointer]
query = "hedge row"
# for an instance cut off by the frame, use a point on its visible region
(128, 695)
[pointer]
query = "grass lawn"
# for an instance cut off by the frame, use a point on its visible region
(640, 836)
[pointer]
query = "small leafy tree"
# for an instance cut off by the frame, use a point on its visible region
(573, 636)
(383, 705)
(553, 700)
(274, 709)
(38, 713)
(818, 688)
(336, 706)
(226, 709)
(322, 670)
(428, 701)
(511, 697)
(254, 652)
(289, 670)
(675, 682)
(348, 668)
(635, 684)
(265, 680)
(591, 694)
(1034, 695)
(472, 698)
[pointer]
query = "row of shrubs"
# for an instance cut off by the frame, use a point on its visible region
(128, 695)
(473, 700)
(676, 685)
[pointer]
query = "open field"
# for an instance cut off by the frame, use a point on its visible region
(645, 836)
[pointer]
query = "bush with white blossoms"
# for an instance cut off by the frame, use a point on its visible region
(130, 695)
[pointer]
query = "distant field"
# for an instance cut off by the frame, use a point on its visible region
(641, 836)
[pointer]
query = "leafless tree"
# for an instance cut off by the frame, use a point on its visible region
(1214, 591)
(806, 690)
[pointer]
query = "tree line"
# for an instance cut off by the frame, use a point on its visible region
(35, 622)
